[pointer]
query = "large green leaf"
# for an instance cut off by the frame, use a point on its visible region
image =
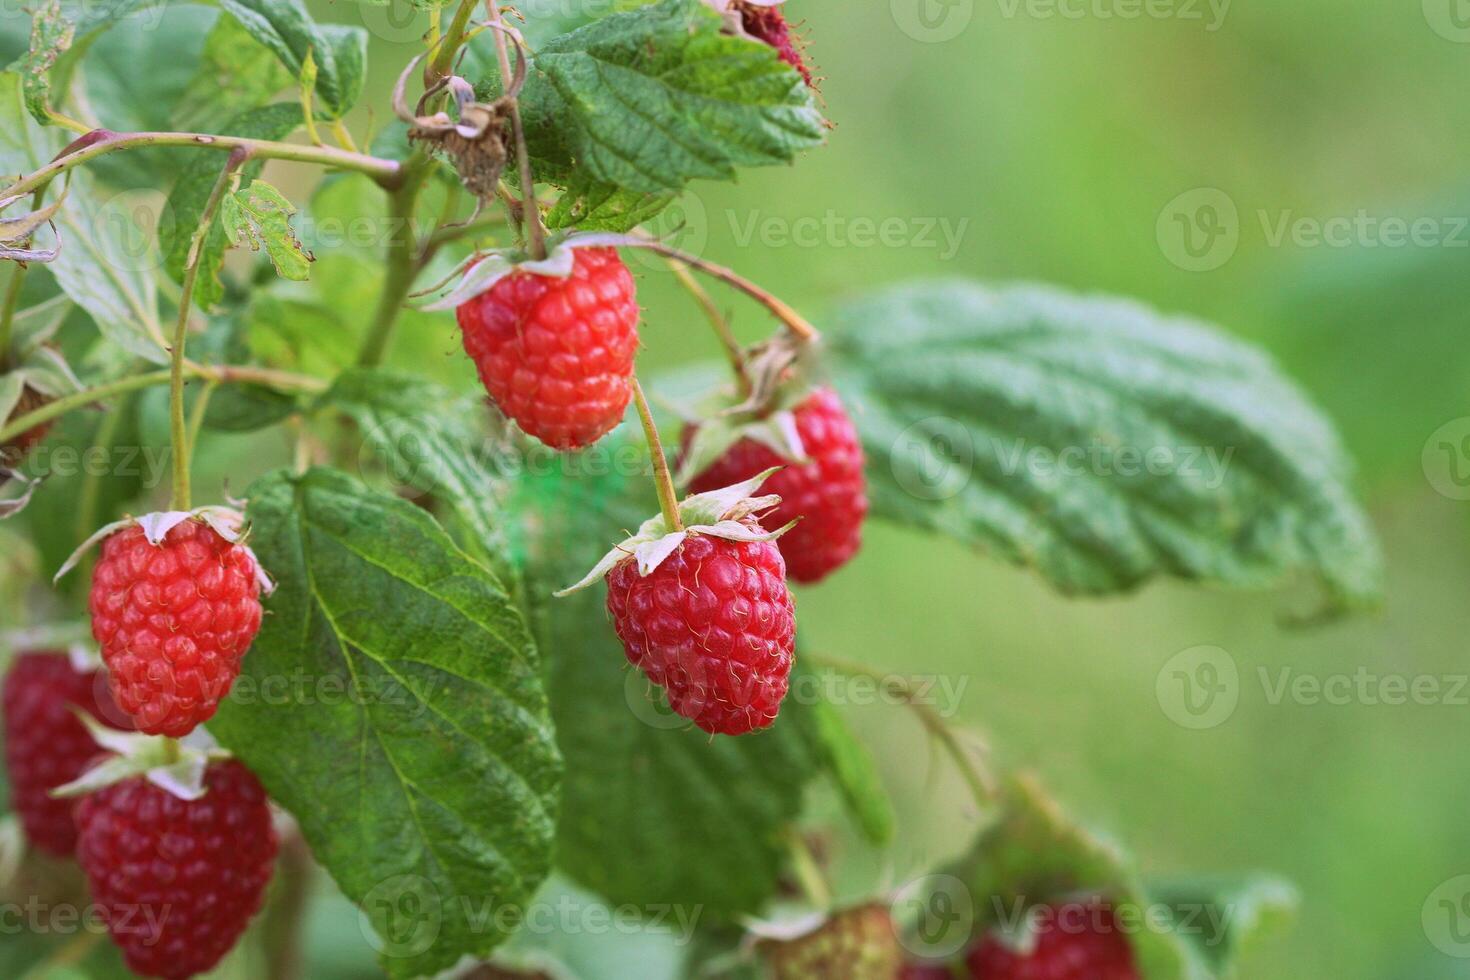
(338, 50)
(235, 73)
(426, 437)
(629, 109)
(1098, 441)
(419, 755)
(106, 262)
(644, 793)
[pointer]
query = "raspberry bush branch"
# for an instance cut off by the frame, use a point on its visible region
(183, 451)
(795, 322)
(225, 374)
(101, 142)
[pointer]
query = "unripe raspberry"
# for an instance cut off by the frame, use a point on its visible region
(556, 354)
(46, 745)
(177, 880)
(173, 621)
(827, 496)
(1072, 942)
(714, 625)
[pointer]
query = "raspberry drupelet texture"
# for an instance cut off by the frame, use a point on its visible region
(177, 880)
(173, 621)
(1073, 942)
(827, 496)
(46, 745)
(770, 25)
(714, 625)
(556, 354)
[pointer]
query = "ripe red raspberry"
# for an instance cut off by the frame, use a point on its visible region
(45, 743)
(828, 494)
(177, 880)
(556, 354)
(1073, 942)
(769, 25)
(713, 625)
(173, 621)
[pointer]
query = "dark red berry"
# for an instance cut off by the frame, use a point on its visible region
(173, 621)
(925, 971)
(177, 881)
(713, 625)
(770, 25)
(555, 354)
(14, 451)
(46, 745)
(828, 494)
(1078, 941)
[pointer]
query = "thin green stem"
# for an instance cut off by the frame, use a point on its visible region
(177, 429)
(794, 321)
(530, 213)
(808, 872)
(280, 380)
(389, 173)
(733, 351)
(401, 259)
(198, 413)
(668, 500)
(7, 311)
(453, 38)
(981, 784)
(91, 493)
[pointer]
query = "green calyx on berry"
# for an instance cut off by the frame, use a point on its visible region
(483, 271)
(177, 767)
(777, 381)
(718, 513)
(227, 522)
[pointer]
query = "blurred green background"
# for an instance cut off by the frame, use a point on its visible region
(1063, 142)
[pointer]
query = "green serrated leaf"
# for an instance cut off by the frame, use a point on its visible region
(51, 34)
(236, 72)
(259, 216)
(1098, 441)
(425, 435)
(643, 790)
(286, 28)
(647, 100)
(105, 263)
(592, 206)
(420, 759)
(191, 191)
